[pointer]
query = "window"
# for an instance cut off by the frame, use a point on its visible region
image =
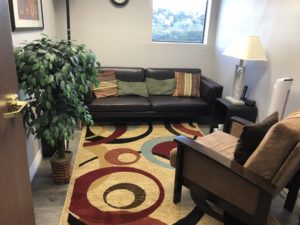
(179, 20)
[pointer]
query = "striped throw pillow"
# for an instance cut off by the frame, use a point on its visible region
(107, 86)
(187, 84)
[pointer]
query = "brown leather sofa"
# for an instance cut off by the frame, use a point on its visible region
(154, 106)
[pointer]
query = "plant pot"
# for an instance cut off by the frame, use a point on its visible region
(61, 168)
(47, 150)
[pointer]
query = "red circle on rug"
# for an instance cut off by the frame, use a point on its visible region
(163, 149)
(81, 206)
(112, 156)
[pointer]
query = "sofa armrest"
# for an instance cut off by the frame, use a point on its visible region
(210, 90)
(88, 97)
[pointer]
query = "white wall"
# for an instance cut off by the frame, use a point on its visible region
(33, 146)
(277, 23)
(122, 36)
(49, 26)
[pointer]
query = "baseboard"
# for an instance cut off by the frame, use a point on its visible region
(35, 164)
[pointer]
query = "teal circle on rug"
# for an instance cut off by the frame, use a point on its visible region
(146, 150)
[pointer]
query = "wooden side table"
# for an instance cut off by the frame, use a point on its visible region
(224, 110)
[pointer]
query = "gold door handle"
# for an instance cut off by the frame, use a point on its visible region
(14, 106)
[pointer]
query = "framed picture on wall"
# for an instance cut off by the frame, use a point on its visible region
(26, 14)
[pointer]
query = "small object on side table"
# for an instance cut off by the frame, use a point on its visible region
(224, 110)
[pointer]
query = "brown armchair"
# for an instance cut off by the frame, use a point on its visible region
(206, 167)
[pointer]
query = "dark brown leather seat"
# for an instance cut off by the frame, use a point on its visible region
(120, 104)
(169, 103)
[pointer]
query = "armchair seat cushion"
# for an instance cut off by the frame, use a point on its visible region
(170, 103)
(220, 142)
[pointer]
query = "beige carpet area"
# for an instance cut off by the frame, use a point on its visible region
(122, 175)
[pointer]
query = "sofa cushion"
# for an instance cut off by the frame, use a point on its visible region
(171, 103)
(120, 104)
(107, 86)
(132, 88)
(129, 74)
(220, 142)
(273, 150)
(160, 87)
(251, 136)
(187, 84)
(168, 73)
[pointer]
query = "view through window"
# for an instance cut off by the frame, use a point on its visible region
(179, 20)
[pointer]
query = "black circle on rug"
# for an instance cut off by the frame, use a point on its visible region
(139, 195)
(81, 206)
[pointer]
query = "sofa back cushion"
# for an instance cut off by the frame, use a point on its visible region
(128, 74)
(168, 73)
(275, 148)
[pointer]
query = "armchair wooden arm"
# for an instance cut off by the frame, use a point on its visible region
(237, 124)
(241, 120)
(222, 181)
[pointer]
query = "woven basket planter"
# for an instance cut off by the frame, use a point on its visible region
(61, 168)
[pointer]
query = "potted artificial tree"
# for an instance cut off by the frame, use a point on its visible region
(56, 74)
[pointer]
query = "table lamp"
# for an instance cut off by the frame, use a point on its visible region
(243, 47)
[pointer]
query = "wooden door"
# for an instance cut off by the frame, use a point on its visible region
(15, 191)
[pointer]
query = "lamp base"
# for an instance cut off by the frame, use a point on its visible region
(234, 101)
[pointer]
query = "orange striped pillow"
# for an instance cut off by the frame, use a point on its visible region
(187, 84)
(107, 86)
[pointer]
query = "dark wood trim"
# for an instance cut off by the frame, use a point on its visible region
(228, 164)
(178, 174)
(293, 187)
(264, 188)
(260, 216)
(68, 20)
(13, 22)
(217, 201)
(241, 121)
(262, 210)
(15, 191)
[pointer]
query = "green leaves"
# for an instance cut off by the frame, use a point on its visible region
(35, 66)
(48, 105)
(57, 74)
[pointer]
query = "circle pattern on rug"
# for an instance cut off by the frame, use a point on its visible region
(147, 150)
(113, 156)
(183, 129)
(114, 136)
(81, 206)
(139, 195)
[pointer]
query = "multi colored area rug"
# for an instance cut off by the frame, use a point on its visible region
(122, 175)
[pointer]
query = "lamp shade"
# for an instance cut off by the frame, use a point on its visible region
(246, 48)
